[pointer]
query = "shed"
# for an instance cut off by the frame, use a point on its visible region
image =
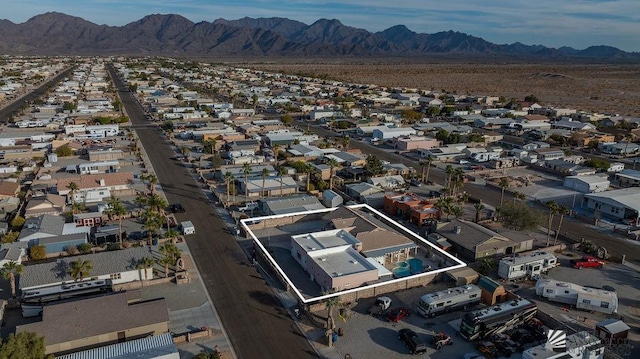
(612, 331)
(463, 276)
(492, 291)
(331, 199)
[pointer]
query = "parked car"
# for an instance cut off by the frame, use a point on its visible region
(397, 314)
(176, 208)
(380, 306)
(416, 182)
(411, 340)
(522, 336)
(441, 339)
(488, 349)
(587, 261)
(136, 236)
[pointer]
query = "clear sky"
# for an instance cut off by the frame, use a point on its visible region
(552, 23)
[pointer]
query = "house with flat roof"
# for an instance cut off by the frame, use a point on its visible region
(620, 204)
(289, 204)
(120, 266)
(628, 178)
(98, 321)
(382, 241)
(587, 184)
(332, 259)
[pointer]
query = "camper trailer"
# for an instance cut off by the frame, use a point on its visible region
(587, 298)
(450, 299)
(527, 265)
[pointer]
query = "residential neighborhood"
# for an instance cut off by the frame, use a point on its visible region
(335, 193)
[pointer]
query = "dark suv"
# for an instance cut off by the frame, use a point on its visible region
(177, 208)
(411, 339)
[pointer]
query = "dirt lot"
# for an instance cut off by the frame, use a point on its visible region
(608, 88)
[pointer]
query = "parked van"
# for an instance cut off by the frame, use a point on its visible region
(187, 228)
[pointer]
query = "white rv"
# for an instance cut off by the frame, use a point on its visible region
(446, 300)
(586, 298)
(581, 345)
(526, 266)
(484, 156)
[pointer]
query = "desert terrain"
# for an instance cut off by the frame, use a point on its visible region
(603, 88)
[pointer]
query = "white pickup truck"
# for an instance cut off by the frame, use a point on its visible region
(249, 206)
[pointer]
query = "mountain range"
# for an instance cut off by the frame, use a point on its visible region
(174, 35)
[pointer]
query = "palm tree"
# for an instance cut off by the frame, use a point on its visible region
(264, 173)
(144, 264)
(276, 151)
(116, 208)
(429, 160)
(246, 169)
(79, 269)
(457, 179)
(141, 201)
(457, 211)
(152, 222)
(562, 210)
(166, 262)
(73, 187)
(503, 184)
(444, 204)
(170, 253)
(478, 207)
(9, 271)
(281, 172)
(423, 164)
(330, 303)
(228, 178)
(210, 145)
(153, 180)
(308, 169)
(332, 163)
(344, 141)
(518, 196)
(157, 203)
(553, 209)
(449, 172)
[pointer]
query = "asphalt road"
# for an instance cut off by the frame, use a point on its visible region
(255, 321)
(575, 229)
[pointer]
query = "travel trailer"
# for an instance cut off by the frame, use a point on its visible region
(587, 298)
(526, 266)
(581, 345)
(450, 299)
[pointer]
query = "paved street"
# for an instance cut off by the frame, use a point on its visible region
(252, 316)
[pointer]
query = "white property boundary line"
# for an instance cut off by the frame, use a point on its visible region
(243, 222)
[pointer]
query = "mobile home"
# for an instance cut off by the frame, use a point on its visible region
(450, 299)
(591, 299)
(526, 266)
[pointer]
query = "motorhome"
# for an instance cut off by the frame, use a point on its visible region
(450, 299)
(483, 323)
(587, 298)
(526, 266)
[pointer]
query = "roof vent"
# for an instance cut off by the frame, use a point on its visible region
(457, 229)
